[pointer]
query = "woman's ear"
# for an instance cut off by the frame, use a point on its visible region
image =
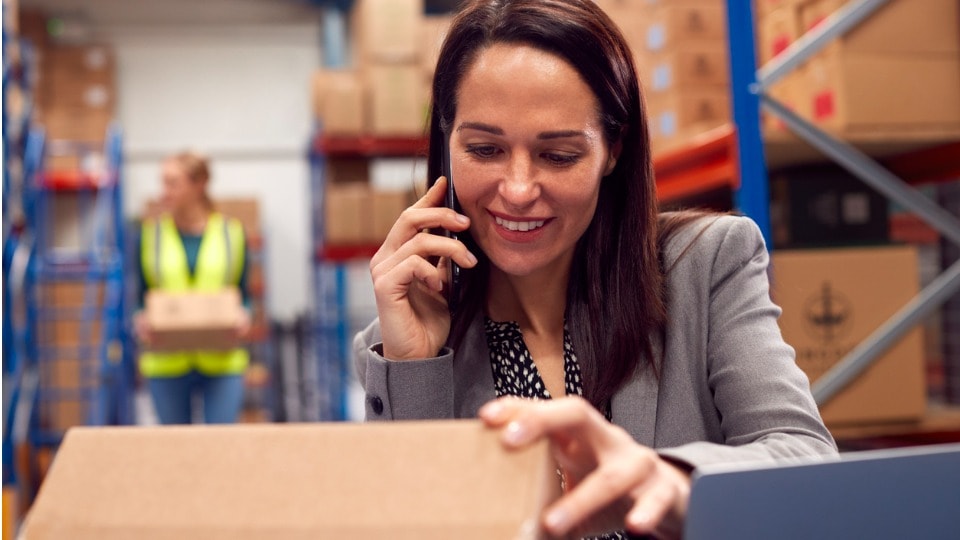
(615, 150)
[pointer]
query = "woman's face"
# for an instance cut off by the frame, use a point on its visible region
(179, 191)
(528, 154)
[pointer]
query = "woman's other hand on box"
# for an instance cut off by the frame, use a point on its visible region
(610, 481)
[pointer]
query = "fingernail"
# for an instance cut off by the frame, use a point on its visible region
(492, 410)
(639, 519)
(462, 219)
(515, 433)
(472, 258)
(557, 520)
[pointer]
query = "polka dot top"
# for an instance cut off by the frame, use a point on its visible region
(515, 374)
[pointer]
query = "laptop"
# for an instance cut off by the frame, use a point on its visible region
(898, 494)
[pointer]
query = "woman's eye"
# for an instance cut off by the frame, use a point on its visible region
(482, 150)
(560, 160)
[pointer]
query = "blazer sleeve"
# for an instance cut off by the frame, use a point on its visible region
(407, 390)
(762, 398)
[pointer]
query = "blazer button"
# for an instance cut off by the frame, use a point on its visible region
(376, 404)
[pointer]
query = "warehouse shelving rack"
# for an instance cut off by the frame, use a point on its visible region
(333, 318)
(74, 367)
(744, 147)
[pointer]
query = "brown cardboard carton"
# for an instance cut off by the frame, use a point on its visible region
(398, 106)
(764, 7)
(694, 65)
(675, 24)
(193, 320)
(75, 123)
(899, 27)
(386, 208)
(832, 299)
(402, 480)
(776, 31)
(347, 213)
(679, 114)
(435, 29)
(338, 98)
(244, 210)
(884, 94)
(388, 30)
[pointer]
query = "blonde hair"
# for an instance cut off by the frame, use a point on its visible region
(197, 168)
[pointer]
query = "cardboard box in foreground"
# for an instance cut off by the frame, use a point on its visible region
(403, 480)
(194, 320)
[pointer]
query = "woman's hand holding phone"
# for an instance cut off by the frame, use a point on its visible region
(413, 310)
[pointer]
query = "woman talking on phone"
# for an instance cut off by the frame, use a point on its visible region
(648, 340)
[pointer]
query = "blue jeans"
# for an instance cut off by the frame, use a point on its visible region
(173, 397)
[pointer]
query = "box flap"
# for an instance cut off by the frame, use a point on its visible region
(423, 480)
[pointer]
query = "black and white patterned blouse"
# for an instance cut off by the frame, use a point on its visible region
(515, 374)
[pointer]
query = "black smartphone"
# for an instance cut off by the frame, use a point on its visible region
(453, 269)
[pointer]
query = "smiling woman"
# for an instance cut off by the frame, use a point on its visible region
(655, 333)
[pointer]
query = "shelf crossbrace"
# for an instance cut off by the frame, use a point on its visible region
(868, 170)
(857, 163)
(863, 355)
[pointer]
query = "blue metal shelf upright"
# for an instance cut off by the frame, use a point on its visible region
(74, 369)
(749, 91)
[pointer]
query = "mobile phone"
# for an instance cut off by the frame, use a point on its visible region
(450, 201)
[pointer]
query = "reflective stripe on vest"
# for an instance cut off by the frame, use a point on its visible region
(219, 264)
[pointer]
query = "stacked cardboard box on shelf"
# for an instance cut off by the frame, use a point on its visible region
(384, 95)
(70, 336)
(680, 52)
(74, 96)
(831, 303)
(895, 76)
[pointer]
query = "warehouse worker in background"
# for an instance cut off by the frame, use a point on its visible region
(653, 333)
(191, 246)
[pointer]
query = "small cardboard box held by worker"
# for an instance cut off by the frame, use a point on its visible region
(194, 320)
(400, 480)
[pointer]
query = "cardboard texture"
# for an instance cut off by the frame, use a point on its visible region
(851, 93)
(679, 114)
(388, 30)
(695, 65)
(245, 210)
(398, 106)
(338, 101)
(74, 123)
(675, 24)
(386, 208)
(899, 27)
(434, 32)
(347, 213)
(402, 480)
(193, 320)
(832, 300)
(776, 30)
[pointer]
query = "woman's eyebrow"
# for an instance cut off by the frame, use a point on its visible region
(481, 127)
(546, 135)
(562, 134)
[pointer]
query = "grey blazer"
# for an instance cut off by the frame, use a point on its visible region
(729, 389)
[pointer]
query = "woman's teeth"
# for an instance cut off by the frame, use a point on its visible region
(522, 226)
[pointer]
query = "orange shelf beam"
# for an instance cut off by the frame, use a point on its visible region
(341, 253)
(705, 163)
(367, 146)
(940, 163)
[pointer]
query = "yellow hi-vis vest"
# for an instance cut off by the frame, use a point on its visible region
(219, 264)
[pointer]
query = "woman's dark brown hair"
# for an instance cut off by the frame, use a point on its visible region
(615, 300)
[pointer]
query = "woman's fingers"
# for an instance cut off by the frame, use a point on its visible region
(426, 213)
(421, 246)
(616, 482)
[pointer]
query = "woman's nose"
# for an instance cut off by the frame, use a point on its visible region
(519, 187)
